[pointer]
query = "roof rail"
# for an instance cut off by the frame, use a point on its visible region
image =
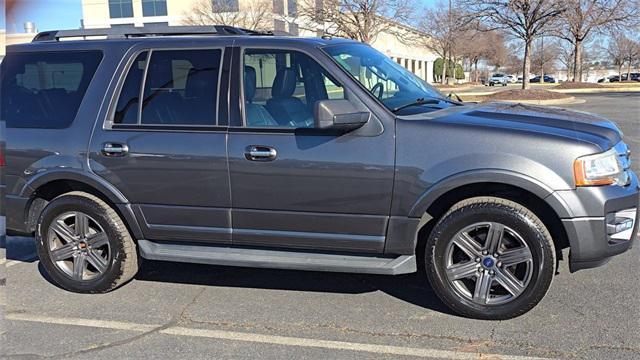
(125, 32)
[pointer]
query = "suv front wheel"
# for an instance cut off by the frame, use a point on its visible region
(84, 245)
(490, 258)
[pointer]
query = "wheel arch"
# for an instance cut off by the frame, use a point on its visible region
(530, 194)
(43, 189)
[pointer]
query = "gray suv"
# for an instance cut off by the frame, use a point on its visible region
(216, 145)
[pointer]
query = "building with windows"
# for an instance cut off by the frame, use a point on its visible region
(11, 38)
(281, 15)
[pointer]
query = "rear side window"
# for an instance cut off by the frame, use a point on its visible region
(44, 89)
(180, 88)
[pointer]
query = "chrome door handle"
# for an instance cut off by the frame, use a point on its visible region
(260, 153)
(114, 149)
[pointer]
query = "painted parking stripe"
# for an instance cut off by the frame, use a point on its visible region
(103, 324)
(267, 339)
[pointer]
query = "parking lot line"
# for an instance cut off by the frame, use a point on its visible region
(266, 339)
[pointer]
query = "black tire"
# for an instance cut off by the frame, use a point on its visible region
(517, 217)
(122, 265)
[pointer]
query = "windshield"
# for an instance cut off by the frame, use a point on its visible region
(392, 84)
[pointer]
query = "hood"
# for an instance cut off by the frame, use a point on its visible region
(539, 119)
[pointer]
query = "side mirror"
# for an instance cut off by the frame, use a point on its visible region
(339, 114)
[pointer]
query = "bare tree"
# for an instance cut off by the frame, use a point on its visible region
(475, 46)
(497, 53)
(445, 27)
(254, 15)
(616, 51)
(631, 52)
(546, 55)
(585, 17)
(524, 19)
(361, 20)
(513, 64)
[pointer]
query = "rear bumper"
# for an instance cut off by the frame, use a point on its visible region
(606, 225)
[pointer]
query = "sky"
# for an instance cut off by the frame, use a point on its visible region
(66, 14)
(47, 14)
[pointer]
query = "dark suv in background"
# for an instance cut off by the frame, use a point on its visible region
(217, 145)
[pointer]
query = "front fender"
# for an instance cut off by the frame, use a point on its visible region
(499, 176)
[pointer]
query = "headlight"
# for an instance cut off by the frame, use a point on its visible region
(599, 169)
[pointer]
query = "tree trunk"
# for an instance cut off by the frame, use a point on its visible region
(443, 79)
(620, 72)
(542, 59)
(449, 68)
(526, 64)
(475, 71)
(628, 71)
(577, 61)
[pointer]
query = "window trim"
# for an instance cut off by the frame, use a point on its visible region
(276, 129)
(109, 120)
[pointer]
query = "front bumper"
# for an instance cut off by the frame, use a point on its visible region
(605, 222)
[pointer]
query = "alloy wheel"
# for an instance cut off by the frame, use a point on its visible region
(488, 263)
(78, 246)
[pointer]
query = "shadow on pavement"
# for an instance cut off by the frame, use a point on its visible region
(412, 288)
(21, 248)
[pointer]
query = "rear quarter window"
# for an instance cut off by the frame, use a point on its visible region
(44, 90)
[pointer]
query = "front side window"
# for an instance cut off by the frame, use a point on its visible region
(45, 89)
(154, 7)
(180, 88)
(120, 9)
(392, 84)
(281, 88)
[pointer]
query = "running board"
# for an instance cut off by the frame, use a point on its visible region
(226, 256)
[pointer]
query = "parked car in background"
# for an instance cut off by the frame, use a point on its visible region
(498, 79)
(616, 78)
(547, 79)
(512, 79)
(151, 143)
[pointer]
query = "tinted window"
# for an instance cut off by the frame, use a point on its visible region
(181, 88)
(154, 7)
(281, 88)
(44, 90)
(128, 102)
(120, 8)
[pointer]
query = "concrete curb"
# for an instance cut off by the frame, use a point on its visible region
(598, 90)
(564, 91)
(567, 101)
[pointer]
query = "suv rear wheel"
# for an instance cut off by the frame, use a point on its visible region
(83, 244)
(490, 258)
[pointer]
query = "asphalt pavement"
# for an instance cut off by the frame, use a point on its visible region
(180, 311)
